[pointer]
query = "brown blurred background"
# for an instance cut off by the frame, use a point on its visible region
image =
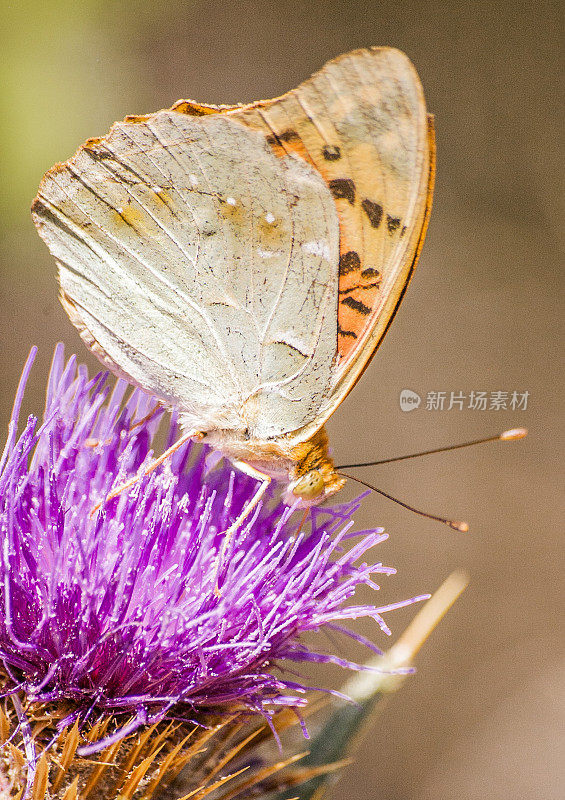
(480, 719)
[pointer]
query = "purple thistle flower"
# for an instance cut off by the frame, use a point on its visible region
(117, 611)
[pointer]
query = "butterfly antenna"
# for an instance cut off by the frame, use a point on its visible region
(505, 436)
(462, 527)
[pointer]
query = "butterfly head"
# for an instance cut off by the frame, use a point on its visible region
(314, 486)
(309, 486)
(313, 478)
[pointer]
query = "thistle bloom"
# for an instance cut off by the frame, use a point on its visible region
(119, 611)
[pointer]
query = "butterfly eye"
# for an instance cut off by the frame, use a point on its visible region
(309, 486)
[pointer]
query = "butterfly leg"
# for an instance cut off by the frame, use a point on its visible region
(265, 479)
(152, 466)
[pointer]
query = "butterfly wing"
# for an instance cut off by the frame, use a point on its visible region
(243, 263)
(183, 260)
(362, 123)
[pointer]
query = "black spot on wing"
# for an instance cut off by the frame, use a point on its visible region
(370, 272)
(285, 136)
(348, 262)
(331, 152)
(374, 212)
(341, 332)
(289, 136)
(392, 223)
(361, 287)
(343, 189)
(356, 305)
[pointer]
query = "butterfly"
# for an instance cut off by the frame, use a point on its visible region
(243, 263)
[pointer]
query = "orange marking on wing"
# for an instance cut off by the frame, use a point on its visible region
(130, 215)
(194, 109)
(294, 144)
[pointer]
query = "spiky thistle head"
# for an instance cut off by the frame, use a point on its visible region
(111, 624)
